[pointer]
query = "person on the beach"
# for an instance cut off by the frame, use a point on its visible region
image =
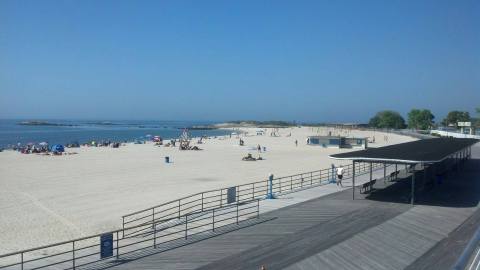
(259, 148)
(296, 142)
(339, 175)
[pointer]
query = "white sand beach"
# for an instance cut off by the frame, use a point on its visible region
(46, 199)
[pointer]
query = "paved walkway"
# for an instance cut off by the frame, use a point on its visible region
(304, 231)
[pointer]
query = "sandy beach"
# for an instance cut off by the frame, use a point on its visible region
(46, 199)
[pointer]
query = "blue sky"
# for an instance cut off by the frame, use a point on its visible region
(226, 60)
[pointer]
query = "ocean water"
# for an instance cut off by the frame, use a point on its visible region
(83, 131)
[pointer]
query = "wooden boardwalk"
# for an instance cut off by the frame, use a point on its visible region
(377, 231)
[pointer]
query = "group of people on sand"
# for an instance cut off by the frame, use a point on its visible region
(259, 148)
(105, 143)
(31, 148)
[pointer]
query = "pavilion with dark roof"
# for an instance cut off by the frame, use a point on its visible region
(428, 152)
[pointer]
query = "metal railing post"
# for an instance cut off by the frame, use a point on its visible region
(154, 236)
(258, 208)
(202, 201)
(213, 220)
(238, 194)
(118, 246)
(311, 178)
(153, 215)
(21, 260)
(291, 183)
(237, 213)
(221, 197)
(123, 227)
(186, 226)
(253, 191)
(268, 187)
(73, 254)
(179, 209)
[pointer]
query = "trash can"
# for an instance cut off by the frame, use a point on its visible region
(167, 159)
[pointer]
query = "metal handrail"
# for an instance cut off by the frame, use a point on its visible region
(217, 218)
(216, 198)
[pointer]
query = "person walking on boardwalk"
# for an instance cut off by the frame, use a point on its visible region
(339, 175)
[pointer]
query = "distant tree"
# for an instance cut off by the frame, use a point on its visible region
(454, 117)
(387, 119)
(420, 119)
(476, 121)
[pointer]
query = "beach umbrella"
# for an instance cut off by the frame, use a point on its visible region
(57, 148)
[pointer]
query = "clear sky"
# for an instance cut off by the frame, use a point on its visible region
(227, 60)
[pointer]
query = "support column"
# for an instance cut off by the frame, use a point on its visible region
(424, 175)
(371, 172)
(412, 198)
(396, 171)
(353, 181)
(384, 172)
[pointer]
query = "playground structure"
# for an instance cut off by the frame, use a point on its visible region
(184, 141)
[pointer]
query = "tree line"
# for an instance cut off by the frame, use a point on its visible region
(419, 119)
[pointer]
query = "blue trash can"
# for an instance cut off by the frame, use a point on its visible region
(167, 159)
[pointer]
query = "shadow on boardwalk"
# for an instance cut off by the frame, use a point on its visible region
(458, 189)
